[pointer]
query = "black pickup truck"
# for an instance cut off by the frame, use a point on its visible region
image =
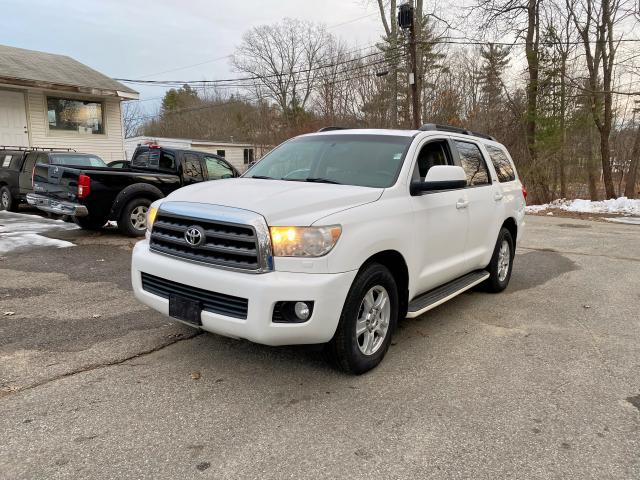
(94, 195)
(17, 164)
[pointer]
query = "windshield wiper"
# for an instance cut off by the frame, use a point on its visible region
(321, 180)
(262, 177)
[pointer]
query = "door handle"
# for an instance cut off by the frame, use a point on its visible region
(462, 204)
(498, 196)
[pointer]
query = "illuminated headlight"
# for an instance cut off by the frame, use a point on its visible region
(151, 215)
(304, 241)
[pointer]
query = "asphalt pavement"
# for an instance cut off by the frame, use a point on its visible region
(541, 381)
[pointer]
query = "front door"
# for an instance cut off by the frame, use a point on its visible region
(13, 119)
(440, 223)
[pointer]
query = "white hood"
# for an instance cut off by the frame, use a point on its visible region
(280, 202)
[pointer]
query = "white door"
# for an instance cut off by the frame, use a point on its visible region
(13, 119)
(440, 225)
(483, 208)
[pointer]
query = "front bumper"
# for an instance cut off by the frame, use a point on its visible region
(56, 206)
(328, 291)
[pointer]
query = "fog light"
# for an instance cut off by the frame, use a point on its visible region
(302, 310)
(292, 311)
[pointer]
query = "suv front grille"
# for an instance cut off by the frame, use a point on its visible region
(214, 302)
(226, 244)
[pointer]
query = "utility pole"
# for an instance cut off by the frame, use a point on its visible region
(407, 21)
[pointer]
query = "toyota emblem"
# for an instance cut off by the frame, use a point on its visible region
(194, 236)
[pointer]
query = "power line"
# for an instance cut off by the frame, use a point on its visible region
(254, 77)
(442, 41)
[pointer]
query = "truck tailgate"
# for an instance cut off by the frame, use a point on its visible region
(56, 181)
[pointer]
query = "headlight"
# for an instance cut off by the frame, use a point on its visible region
(304, 241)
(151, 216)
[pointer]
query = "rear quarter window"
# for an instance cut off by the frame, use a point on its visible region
(500, 160)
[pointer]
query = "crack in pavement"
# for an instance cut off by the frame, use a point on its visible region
(96, 366)
(553, 250)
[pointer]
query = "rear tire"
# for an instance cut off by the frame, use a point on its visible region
(367, 322)
(89, 222)
(7, 202)
(133, 218)
(501, 263)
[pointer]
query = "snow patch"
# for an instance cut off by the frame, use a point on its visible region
(627, 220)
(622, 205)
(21, 231)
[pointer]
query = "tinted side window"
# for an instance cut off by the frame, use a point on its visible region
(473, 163)
(501, 163)
(15, 162)
(29, 163)
(43, 158)
(191, 167)
(217, 169)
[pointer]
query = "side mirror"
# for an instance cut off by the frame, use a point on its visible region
(440, 177)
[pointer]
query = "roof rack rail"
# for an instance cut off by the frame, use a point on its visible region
(36, 149)
(452, 129)
(329, 129)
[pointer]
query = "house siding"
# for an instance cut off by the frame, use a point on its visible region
(233, 155)
(109, 146)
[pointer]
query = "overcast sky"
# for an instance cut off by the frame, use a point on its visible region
(142, 38)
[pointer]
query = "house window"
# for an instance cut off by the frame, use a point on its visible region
(80, 116)
(220, 153)
(248, 156)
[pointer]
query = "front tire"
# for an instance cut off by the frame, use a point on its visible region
(367, 322)
(501, 263)
(7, 202)
(133, 219)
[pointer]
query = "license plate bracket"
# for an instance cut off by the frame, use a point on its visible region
(185, 309)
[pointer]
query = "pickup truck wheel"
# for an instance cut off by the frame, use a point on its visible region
(501, 263)
(90, 223)
(133, 219)
(367, 322)
(7, 202)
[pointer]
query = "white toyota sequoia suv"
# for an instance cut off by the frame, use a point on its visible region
(335, 236)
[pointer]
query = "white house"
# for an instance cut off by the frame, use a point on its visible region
(237, 154)
(49, 100)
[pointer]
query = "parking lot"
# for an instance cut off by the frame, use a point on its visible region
(542, 381)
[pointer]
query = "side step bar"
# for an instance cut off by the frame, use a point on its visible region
(439, 295)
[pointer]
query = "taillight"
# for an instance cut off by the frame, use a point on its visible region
(33, 176)
(524, 192)
(84, 186)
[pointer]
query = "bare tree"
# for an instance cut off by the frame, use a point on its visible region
(282, 63)
(131, 118)
(596, 22)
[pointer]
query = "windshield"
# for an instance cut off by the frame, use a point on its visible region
(363, 160)
(77, 160)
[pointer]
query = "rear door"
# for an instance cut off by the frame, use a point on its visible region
(482, 210)
(440, 225)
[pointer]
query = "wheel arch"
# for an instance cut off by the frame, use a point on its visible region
(511, 225)
(137, 190)
(397, 265)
